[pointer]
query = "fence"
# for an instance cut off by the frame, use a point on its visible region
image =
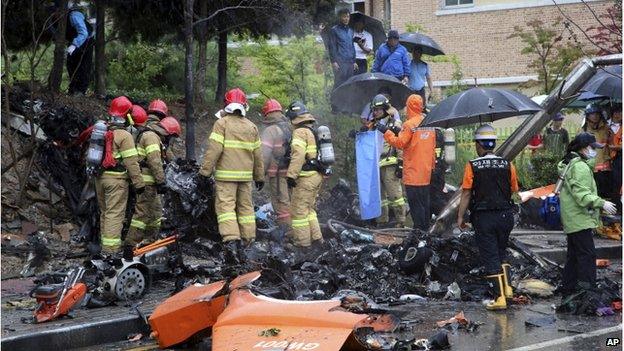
(465, 136)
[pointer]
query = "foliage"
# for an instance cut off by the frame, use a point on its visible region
(18, 21)
(538, 169)
(608, 34)
(552, 57)
(463, 154)
(290, 71)
(414, 27)
(137, 65)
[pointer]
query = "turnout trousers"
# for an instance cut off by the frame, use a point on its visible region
(580, 263)
(492, 229)
(391, 195)
(305, 225)
(112, 195)
(147, 216)
(235, 211)
(280, 199)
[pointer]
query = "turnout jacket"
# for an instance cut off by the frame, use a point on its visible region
(234, 151)
(303, 147)
(127, 159)
(150, 150)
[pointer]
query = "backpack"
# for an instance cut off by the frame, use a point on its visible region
(284, 161)
(309, 165)
(550, 211)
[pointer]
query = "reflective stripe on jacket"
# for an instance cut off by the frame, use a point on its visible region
(150, 151)
(303, 147)
(126, 154)
(234, 153)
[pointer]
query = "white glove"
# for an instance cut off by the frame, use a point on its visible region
(609, 207)
(70, 49)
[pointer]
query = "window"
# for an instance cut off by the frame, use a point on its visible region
(448, 3)
(359, 6)
(388, 11)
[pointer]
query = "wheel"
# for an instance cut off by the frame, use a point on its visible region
(131, 284)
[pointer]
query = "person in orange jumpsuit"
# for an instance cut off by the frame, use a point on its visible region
(418, 145)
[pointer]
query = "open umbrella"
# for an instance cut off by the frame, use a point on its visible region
(353, 94)
(478, 105)
(428, 45)
(606, 82)
(371, 25)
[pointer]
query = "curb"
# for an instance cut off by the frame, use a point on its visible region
(75, 336)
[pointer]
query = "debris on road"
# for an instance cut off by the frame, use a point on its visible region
(535, 287)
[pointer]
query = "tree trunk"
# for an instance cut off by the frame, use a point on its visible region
(221, 66)
(56, 73)
(188, 86)
(200, 78)
(100, 43)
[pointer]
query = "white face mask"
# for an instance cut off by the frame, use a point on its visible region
(591, 153)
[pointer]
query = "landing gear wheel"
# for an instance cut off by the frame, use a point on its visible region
(131, 284)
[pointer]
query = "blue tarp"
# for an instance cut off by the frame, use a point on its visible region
(367, 150)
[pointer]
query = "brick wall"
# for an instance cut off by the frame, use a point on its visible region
(480, 39)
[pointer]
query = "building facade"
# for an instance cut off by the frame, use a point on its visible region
(477, 31)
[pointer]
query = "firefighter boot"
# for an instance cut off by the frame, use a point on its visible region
(498, 291)
(231, 251)
(506, 280)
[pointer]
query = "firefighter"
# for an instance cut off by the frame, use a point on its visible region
(150, 142)
(390, 164)
(156, 111)
(120, 164)
(418, 145)
(303, 177)
(235, 158)
(275, 137)
(488, 184)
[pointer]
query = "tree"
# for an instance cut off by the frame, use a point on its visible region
(100, 48)
(188, 76)
(608, 33)
(552, 57)
(56, 73)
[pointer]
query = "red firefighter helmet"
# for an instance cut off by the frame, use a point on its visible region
(139, 116)
(235, 100)
(159, 107)
(235, 96)
(171, 126)
(271, 105)
(119, 107)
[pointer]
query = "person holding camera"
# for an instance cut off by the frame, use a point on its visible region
(363, 44)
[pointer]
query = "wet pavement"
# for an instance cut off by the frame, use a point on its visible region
(503, 330)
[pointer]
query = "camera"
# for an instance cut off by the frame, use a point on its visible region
(358, 40)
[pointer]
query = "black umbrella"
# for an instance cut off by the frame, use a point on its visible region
(479, 105)
(359, 90)
(606, 82)
(428, 45)
(371, 25)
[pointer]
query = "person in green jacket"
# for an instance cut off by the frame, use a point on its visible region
(580, 212)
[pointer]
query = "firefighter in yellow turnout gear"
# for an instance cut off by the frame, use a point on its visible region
(235, 158)
(303, 177)
(150, 142)
(274, 137)
(120, 164)
(390, 164)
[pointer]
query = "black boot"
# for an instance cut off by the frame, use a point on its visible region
(231, 252)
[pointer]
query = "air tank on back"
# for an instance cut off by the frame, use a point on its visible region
(325, 145)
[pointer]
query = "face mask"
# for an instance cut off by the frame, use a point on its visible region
(591, 153)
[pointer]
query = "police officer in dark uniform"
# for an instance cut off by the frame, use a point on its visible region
(488, 184)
